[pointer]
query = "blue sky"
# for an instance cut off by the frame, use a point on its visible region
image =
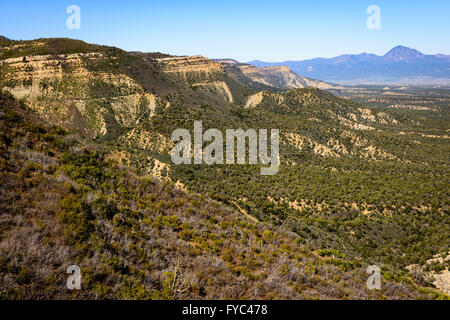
(273, 30)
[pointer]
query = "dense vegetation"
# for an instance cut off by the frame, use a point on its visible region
(356, 186)
(136, 237)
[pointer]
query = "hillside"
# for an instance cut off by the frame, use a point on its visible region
(356, 185)
(63, 202)
(280, 77)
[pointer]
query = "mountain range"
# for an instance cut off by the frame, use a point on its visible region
(401, 65)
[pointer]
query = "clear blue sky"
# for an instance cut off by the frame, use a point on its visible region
(273, 30)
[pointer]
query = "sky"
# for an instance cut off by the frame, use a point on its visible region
(275, 30)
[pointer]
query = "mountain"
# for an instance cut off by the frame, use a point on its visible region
(87, 179)
(401, 65)
(280, 77)
(402, 54)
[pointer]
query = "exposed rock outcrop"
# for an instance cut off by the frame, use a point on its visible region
(280, 77)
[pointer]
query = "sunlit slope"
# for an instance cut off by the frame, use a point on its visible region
(369, 183)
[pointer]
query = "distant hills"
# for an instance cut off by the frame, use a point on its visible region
(280, 77)
(400, 65)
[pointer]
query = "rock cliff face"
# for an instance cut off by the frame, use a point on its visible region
(190, 67)
(199, 72)
(111, 95)
(280, 77)
(64, 89)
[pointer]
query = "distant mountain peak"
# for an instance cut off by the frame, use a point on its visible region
(403, 53)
